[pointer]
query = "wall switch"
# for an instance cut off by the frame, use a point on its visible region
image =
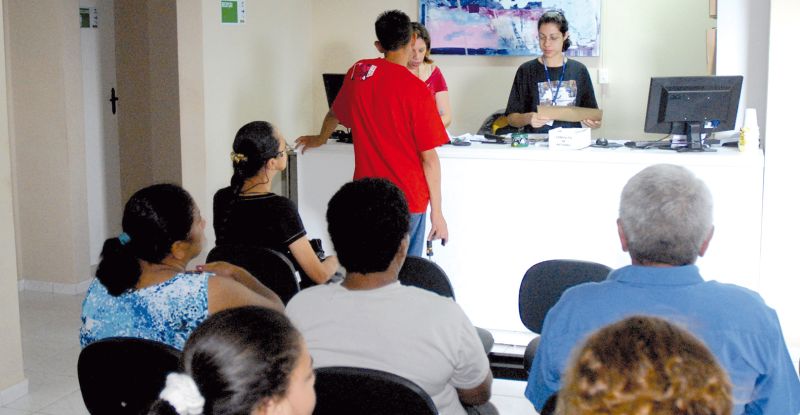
(602, 75)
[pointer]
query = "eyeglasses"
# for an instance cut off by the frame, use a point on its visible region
(280, 153)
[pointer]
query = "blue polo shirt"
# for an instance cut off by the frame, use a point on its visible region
(737, 326)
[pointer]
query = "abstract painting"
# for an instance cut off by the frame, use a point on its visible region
(506, 27)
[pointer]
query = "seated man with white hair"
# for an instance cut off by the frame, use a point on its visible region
(665, 224)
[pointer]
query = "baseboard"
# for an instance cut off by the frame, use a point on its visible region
(54, 287)
(13, 392)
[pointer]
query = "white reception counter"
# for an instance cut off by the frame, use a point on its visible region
(509, 208)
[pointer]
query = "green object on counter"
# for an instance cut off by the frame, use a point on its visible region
(519, 140)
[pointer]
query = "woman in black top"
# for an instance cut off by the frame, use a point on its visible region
(550, 75)
(248, 213)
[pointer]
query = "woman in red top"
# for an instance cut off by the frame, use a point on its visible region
(422, 66)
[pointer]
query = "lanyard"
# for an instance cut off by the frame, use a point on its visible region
(560, 79)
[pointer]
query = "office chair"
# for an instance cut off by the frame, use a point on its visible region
(352, 390)
(543, 285)
(270, 267)
(496, 123)
(428, 275)
(124, 375)
(422, 273)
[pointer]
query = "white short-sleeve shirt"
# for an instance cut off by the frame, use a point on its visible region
(416, 334)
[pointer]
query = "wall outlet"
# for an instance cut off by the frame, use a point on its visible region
(602, 75)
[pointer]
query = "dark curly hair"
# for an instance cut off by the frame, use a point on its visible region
(393, 29)
(644, 365)
(256, 141)
(557, 17)
(367, 221)
(237, 358)
(154, 218)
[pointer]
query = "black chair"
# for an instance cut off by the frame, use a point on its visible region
(352, 390)
(270, 267)
(550, 404)
(422, 273)
(124, 375)
(496, 123)
(428, 275)
(543, 285)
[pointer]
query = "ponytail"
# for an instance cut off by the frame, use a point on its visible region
(162, 407)
(266, 347)
(240, 171)
(254, 145)
(155, 217)
(180, 396)
(119, 269)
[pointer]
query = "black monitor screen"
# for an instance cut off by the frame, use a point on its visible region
(333, 83)
(676, 104)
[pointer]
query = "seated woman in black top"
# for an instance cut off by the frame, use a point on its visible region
(248, 213)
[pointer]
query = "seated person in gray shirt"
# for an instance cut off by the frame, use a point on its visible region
(372, 321)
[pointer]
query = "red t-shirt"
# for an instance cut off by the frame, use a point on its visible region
(393, 118)
(436, 82)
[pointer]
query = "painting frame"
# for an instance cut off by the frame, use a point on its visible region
(506, 27)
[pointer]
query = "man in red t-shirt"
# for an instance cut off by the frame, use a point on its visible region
(395, 125)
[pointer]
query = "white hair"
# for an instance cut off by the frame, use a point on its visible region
(666, 215)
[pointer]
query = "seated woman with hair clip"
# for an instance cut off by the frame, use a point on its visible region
(248, 213)
(644, 365)
(143, 288)
(270, 375)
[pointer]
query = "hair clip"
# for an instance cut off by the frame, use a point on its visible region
(238, 157)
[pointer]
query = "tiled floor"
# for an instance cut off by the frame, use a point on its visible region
(50, 350)
(50, 325)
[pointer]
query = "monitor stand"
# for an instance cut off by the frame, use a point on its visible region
(342, 136)
(694, 138)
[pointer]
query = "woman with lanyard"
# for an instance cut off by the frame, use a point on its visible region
(551, 79)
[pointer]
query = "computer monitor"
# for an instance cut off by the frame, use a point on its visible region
(333, 83)
(692, 106)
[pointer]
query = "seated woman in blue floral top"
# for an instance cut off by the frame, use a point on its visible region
(143, 288)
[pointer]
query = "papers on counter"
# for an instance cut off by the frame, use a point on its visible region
(538, 139)
(572, 114)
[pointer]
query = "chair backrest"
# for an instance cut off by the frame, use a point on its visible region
(544, 283)
(124, 375)
(270, 267)
(422, 273)
(494, 123)
(352, 390)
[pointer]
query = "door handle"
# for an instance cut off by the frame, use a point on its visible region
(113, 100)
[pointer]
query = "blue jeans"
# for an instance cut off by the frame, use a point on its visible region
(416, 233)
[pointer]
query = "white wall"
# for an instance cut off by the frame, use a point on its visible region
(102, 143)
(781, 223)
(10, 341)
(234, 74)
(757, 41)
(639, 40)
(49, 156)
(743, 48)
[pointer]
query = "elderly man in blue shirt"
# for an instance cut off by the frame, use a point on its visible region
(665, 223)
